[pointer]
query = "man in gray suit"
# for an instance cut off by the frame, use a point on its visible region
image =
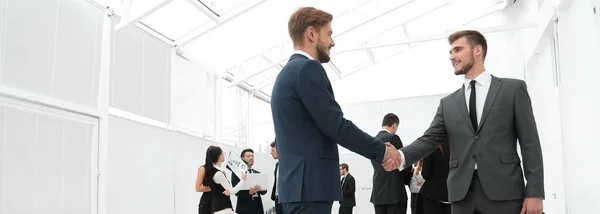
(483, 120)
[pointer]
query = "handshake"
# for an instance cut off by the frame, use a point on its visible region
(391, 159)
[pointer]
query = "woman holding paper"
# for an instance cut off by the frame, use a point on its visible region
(219, 185)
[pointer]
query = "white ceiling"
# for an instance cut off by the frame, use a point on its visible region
(249, 39)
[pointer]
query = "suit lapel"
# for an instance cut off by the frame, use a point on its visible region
(462, 106)
(490, 98)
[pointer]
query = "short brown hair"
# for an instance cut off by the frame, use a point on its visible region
(304, 18)
(389, 120)
(473, 37)
(272, 144)
(344, 166)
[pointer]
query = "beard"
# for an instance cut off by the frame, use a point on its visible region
(322, 52)
(465, 67)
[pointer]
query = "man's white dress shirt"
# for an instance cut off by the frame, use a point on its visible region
(481, 90)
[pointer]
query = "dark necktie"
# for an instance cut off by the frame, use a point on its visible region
(472, 106)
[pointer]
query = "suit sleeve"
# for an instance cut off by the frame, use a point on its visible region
(273, 191)
(433, 137)
(242, 193)
(529, 141)
(314, 90)
(351, 187)
(273, 197)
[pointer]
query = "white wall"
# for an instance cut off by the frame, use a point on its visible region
(43, 49)
(565, 104)
(193, 97)
(541, 77)
(415, 114)
(140, 75)
(49, 77)
(153, 170)
(579, 47)
(48, 159)
(51, 151)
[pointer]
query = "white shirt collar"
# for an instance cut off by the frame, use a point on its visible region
(304, 53)
(217, 167)
(483, 79)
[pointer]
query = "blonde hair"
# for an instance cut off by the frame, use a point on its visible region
(419, 167)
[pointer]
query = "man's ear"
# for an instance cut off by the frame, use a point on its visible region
(311, 33)
(478, 50)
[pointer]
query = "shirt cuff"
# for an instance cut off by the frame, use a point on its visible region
(403, 164)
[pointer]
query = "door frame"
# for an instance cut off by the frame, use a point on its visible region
(50, 107)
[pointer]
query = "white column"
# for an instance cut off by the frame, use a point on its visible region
(103, 104)
(218, 109)
(250, 123)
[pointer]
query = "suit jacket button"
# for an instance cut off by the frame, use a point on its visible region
(474, 156)
(476, 137)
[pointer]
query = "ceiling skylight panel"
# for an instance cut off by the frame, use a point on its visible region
(350, 61)
(222, 7)
(384, 53)
(176, 19)
(331, 70)
(278, 52)
(435, 22)
(136, 7)
(263, 76)
(249, 67)
(268, 89)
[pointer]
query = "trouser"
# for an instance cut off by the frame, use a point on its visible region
(477, 202)
(398, 208)
(316, 207)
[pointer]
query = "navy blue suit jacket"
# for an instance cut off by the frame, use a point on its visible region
(309, 124)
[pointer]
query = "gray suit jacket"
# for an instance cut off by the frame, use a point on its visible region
(507, 116)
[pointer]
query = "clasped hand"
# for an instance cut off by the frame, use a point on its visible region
(391, 159)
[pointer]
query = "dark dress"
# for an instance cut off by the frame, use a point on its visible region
(205, 205)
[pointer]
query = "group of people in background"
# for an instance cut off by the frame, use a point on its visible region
(212, 181)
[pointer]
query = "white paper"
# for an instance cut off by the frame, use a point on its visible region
(236, 164)
(254, 179)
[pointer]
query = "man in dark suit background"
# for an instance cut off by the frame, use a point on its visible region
(485, 120)
(309, 123)
(248, 201)
(275, 193)
(389, 194)
(348, 185)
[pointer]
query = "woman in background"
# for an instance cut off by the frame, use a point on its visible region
(205, 205)
(434, 192)
(415, 186)
(219, 184)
